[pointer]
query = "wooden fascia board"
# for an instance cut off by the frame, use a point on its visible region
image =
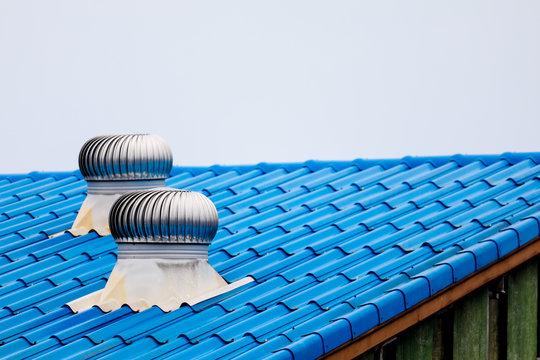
(434, 304)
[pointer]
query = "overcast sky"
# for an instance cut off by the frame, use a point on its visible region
(234, 82)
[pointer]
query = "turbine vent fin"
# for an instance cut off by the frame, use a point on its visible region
(163, 215)
(125, 157)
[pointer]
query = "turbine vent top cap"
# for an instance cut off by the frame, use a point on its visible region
(163, 215)
(125, 157)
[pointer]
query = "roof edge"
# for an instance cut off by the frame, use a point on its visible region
(434, 303)
(313, 165)
(411, 161)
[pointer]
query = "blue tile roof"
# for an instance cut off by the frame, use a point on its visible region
(336, 248)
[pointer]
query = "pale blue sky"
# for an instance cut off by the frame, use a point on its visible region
(279, 81)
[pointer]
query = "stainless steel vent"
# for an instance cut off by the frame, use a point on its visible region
(163, 215)
(163, 237)
(113, 165)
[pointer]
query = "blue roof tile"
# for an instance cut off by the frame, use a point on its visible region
(335, 249)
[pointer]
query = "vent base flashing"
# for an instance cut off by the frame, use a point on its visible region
(94, 299)
(94, 212)
(164, 275)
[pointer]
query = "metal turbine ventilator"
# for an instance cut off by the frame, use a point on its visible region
(113, 165)
(163, 236)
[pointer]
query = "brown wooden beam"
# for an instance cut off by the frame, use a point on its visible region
(434, 304)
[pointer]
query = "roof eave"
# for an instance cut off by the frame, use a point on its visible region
(434, 304)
